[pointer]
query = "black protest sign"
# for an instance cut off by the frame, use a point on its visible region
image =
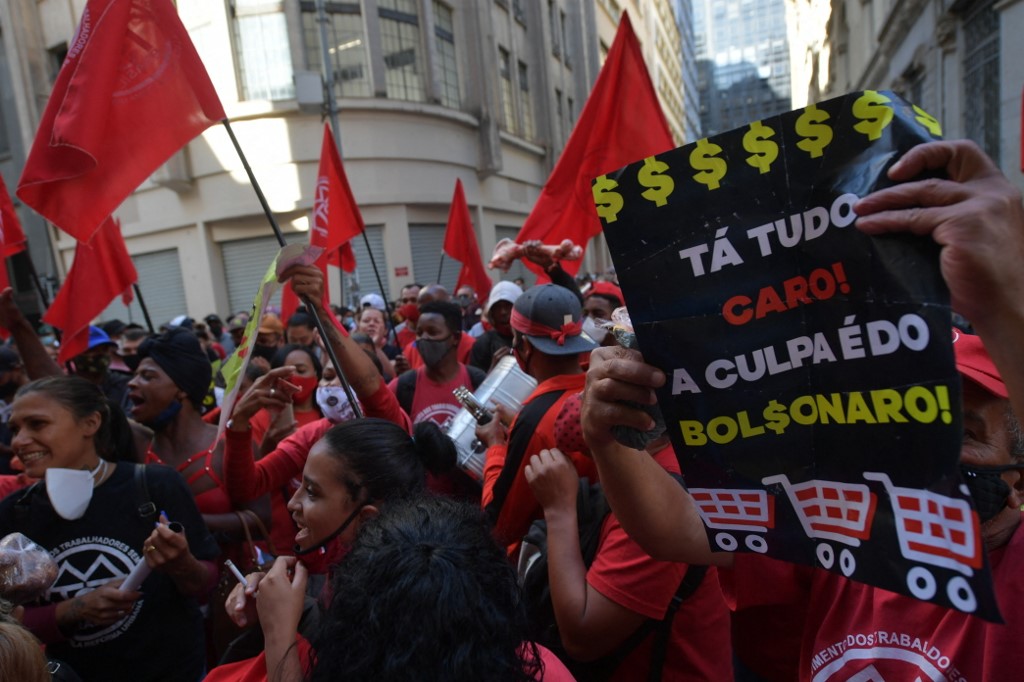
(812, 396)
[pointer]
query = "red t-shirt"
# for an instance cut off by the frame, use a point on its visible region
(855, 631)
(699, 646)
(432, 400)
(521, 508)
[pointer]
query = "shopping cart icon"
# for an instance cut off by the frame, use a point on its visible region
(830, 510)
(938, 531)
(736, 510)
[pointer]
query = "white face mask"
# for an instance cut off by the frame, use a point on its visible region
(334, 403)
(593, 330)
(70, 491)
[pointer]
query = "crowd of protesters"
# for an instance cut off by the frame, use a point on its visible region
(366, 553)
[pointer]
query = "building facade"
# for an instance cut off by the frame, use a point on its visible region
(957, 59)
(427, 92)
(743, 71)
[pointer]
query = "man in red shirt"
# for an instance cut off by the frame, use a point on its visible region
(852, 630)
(547, 339)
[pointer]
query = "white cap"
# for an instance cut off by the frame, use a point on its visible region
(503, 291)
(373, 301)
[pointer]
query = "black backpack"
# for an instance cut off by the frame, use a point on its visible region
(591, 510)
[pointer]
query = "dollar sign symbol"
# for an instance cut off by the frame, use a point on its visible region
(712, 168)
(873, 114)
(928, 121)
(816, 135)
(608, 203)
(762, 149)
(661, 186)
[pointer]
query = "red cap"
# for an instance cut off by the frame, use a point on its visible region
(974, 363)
(605, 289)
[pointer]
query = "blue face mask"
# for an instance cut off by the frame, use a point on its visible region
(165, 417)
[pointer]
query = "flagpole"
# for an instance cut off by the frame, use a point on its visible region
(440, 268)
(281, 241)
(145, 310)
(327, 76)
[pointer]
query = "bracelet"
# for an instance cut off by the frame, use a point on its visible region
(231, 425)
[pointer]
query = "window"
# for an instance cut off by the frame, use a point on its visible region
(570, 110)
(565, 38)
(505, 67)
(403, 49)
(981, 78)
(559, 115)
(55, 59)
(444, 30)
(518, 12)
(525, 102)
(553, 20)
(346, 46)
(263, 54)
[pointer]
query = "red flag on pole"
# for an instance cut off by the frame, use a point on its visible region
(621, 122)
(131, 92)
(102, 269)
(336, 218)
(460, 244)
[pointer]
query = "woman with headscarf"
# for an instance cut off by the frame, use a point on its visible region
(167, 393)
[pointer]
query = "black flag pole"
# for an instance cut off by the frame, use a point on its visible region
(145, 310)
(280, 240)
(440, 267)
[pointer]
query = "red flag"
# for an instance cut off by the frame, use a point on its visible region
(12, 238)
(336, 218)
(131, 92)
(460, 244)
(621, 122)
(102, 269)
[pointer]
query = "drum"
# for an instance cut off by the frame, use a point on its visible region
(506, 384)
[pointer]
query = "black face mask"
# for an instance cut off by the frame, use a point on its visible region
(265, 352)
(433, 351)
(341, 529)
(988, 489)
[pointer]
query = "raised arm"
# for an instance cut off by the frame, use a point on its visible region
(976, 216)
(651, 506)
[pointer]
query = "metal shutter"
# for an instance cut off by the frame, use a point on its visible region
(363, 281)
(426, 243)
(245, 263)
(517, 269)
(162, 288)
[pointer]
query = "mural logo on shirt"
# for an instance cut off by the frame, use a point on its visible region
(438, 413)
(84, 564)
(883, 656)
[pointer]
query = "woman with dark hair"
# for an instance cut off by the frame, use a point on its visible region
(444, 600)
(268, 428)
(96, 516)
(352, 471)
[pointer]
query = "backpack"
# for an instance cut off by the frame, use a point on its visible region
(591, 511)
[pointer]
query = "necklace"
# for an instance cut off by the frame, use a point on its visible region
(100, 469)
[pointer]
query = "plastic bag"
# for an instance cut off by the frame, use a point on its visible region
(26, 569)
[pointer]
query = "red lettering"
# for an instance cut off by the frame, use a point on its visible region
(768, 301)
(737, 310)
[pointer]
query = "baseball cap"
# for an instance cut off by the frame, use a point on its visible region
(372, 301)
(9, 359)
(605, 289)
(503, 291)
(974, 363)
(549, 316)
(271, 324)
(98, 337)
